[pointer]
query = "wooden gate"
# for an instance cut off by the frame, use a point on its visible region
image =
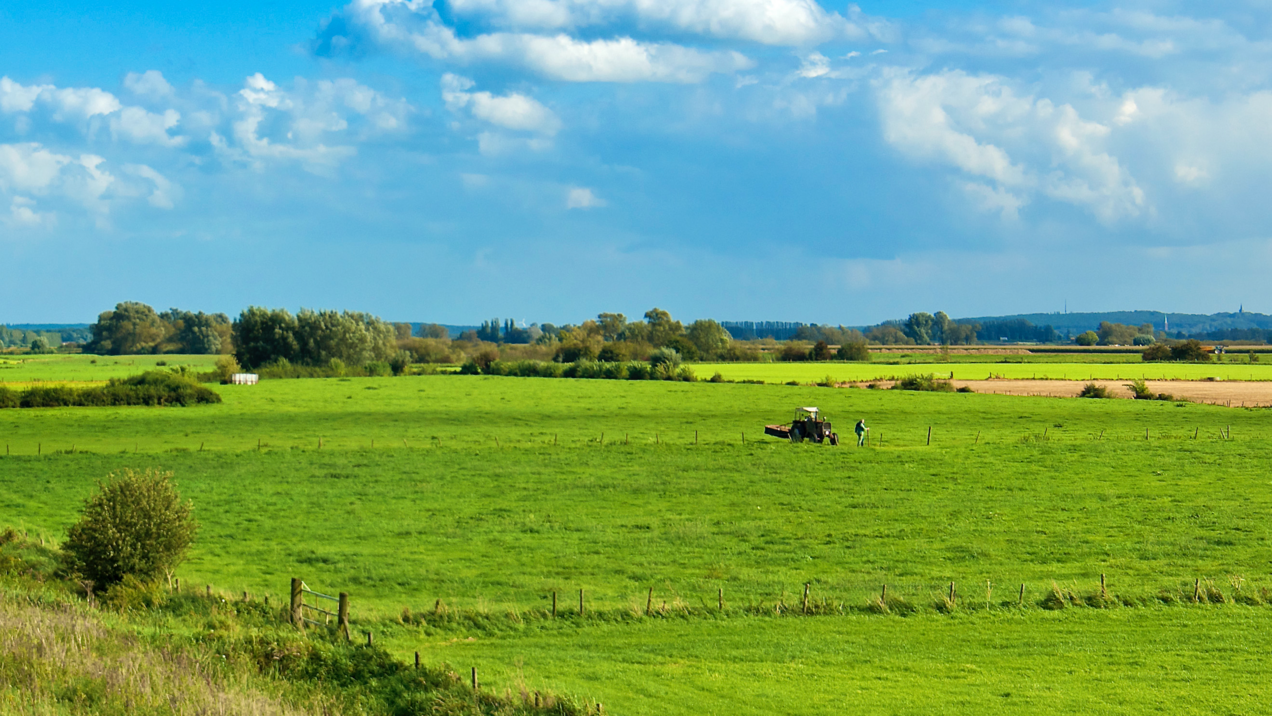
(307, 608)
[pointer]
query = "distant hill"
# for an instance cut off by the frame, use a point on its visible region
(1189, 323)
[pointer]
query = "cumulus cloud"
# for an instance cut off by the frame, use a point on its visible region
(149, 84)
(310, 115)
(769, 22)
(137, 125)
(23, 214)
(976, 123)
(512, 111)
(415, 26)
(582, 198)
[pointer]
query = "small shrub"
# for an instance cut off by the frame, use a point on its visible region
(965, 389)
(1139, 390)
(400, 362)
(717, 378)
(485, 357)
(1091, 390)
(828, 382)
(470, 367)
(665, 357)
(820, 351)
(1156, 353)
(927, 383)
(161, 363)
(135, 525)
(1057, 598)
(1190, 351)
(226, 366)
(854, 351)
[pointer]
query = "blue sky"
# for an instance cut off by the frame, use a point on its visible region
(551, 159)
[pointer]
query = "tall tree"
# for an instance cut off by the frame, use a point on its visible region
(130, 329)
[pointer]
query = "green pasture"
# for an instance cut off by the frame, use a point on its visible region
(490, 494)
(985, 369)
(90, 368)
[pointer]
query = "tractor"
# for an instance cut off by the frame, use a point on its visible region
(806, 426)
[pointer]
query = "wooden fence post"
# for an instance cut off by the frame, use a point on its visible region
(695, 437)
(807, 586)
(929, 442)
(953, 595)
(720, 597)
(649, 603)
(977, 438)
(296, 596)
(580, 602)
(554, 605)
(417, 660)
(1021, 603)
(475, 686)
(370, 640)
(342, 615)
(1104, 592)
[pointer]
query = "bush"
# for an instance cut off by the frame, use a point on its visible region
(794, 351)
(1091, 390)
(741, 353)
(666, 359)
(575, 352)
(927, 382)
(1089, 338)
(154, 387)
(612, 354)
(683, 346)
(1156, 352)
(820, 351)
(135, 525)
(1189, 350)
(854, 351)
(378, 368)
(400, 362)
(226, 366)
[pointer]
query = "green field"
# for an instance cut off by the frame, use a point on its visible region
(88, 368)
(490, 494)
(985, 369)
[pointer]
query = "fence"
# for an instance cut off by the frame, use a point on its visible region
(300, 608)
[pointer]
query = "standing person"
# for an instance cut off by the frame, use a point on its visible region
(861, 430)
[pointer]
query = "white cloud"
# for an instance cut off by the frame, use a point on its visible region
(814, 65)
(975, 123)
(496, 144)
(310, 116)
(67, 104)
(164, 192)
(149, 84)
(137, 125)
(770, 22)
(582, 198)
(513, 111)
(22, 213)
(416, 27)
(29, 167)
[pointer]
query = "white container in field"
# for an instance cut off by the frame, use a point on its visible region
(244, 379)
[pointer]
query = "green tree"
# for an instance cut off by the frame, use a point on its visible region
(132, 328)
(262, 335)
(40, 344)
(919, 327)
(433, 330)
(612, 325)
(820, 351)
(135, 525)
(661, 326)
(710, 338)
(888, 335)
(1089, 338)
(351, 337)
(941, 325)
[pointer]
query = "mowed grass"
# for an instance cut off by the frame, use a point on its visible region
(503, 493)
(781, 372)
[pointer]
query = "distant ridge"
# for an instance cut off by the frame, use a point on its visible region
(1075, 323)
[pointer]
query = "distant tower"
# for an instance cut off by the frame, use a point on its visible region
(1242, 309)
(1166, 329)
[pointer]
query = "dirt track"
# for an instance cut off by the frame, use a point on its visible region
(1234, 393)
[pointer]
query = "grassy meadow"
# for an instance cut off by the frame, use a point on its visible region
(489, 494)
(780, 372)
(18, 370)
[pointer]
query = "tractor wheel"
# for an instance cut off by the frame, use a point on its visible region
(797, 436)
(834, 439)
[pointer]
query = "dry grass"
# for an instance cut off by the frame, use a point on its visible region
(57, 657)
